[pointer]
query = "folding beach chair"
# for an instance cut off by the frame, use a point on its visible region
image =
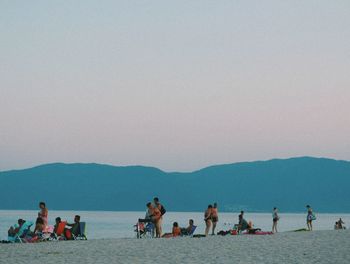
(59, 235)
(192, 231)
(82, 232)
(144, 228)
(22, 232)
(184, 231)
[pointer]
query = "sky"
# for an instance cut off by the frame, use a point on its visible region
(178, 85)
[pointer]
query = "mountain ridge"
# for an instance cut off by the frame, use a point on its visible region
(289, 184)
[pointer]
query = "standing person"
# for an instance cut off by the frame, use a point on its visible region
(207, 219)
(214, 217)
(44, 213)
(155, 216)
(240, 218)
(309, 217)
(275, 219)
(340, 224)
(162, 210)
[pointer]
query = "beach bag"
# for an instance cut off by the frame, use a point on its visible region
(162, 210)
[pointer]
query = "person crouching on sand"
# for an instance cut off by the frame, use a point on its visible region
(208, 219)
(155, 217)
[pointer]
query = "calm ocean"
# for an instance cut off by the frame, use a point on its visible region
(120, 224)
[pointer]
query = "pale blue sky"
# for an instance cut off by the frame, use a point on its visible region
(174, 84)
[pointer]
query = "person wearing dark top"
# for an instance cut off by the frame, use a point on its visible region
(75, 227)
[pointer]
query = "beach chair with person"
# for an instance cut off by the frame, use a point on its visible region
(144, 228)
(82, 232)
(23, 228)
(59, 231)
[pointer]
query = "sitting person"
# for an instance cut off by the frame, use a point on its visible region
(58, 221)
(250, 228)
(188, 230)
(15, 228)
(339, 224)
(176, 231)
(39, 226)
(75, 228)
(243, 225)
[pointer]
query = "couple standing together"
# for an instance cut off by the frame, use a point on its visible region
(211, 217)
(155, 212)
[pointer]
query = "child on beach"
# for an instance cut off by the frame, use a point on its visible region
(208, 219)
(309, 217)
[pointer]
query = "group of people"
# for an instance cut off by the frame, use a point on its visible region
(185, 231)
(154, 214)
(41, 227)
(211, 218)
(339, 224)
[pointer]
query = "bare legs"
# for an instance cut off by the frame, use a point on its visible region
(207, 228)
(274, 227)
(309, 225)
(158, 228)
(214, 226)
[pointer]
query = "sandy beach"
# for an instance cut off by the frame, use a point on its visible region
(287, 247)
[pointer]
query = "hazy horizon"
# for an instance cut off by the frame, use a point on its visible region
(175, 85)
(175, 171)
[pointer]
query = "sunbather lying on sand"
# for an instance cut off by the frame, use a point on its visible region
(175, 232)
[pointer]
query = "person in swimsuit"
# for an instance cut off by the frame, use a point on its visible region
(176, 230)
(275, 219)
(43, 214)
(207, 219)
(39, 226)
(214, 217)
(309, 217)
(155, 216)
(159, 206)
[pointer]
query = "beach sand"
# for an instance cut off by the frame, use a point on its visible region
(288, 247)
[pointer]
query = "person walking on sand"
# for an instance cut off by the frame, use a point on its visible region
(208, 219)
(43, 213)
(275, 219)
(214, 217)
(309, 217)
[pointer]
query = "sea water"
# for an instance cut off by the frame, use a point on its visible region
(101, 224)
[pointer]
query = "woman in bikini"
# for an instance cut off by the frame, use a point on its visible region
(155, 216)
(214, 217)
(207, 219)
(44, 213)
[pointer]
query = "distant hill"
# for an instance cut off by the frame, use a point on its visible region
(289, 184)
